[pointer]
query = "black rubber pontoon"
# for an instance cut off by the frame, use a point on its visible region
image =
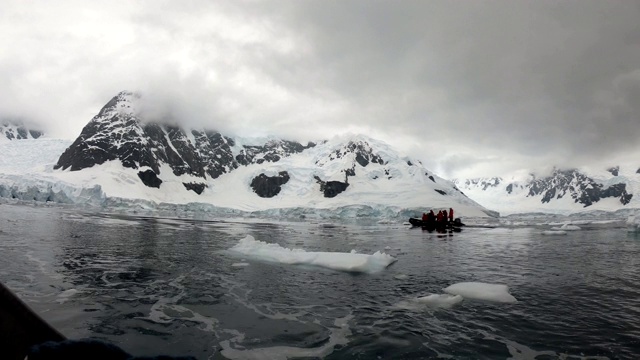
(20, 327)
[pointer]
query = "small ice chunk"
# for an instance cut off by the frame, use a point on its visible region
(240, 264)
(482, 291)
(566, 227)
(65, 295)
(440, 300)
(401, 276)
(68, 293)
(569, 227)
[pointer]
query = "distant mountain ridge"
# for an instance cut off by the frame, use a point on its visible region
(563, 190)
(17, 130)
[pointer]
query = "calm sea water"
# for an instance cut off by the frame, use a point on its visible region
(165, 286)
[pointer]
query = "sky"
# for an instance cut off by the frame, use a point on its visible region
(472, 88)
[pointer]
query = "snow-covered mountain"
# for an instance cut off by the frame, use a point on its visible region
(17, 130)
(118, 133)
(563, 191)
(120, 157)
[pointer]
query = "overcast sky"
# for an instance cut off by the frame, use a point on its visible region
(473, 88)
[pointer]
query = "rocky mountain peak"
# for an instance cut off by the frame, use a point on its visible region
(355, 150)
(118, 132)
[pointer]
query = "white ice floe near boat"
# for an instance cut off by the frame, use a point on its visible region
(351, 262)
(482, 291)
(567, 227)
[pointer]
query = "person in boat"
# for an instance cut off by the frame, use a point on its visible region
(431, 216)
(444, 216)
(451, 214)
(439, 217)
(425, 217)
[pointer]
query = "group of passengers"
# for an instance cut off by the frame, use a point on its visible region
(441, 218)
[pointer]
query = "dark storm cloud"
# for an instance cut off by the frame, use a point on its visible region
(552, 80)
(474, 87)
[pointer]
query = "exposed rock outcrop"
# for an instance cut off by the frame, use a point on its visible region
(150, 178)
(269, 186)
(331, 188)
(197, 188)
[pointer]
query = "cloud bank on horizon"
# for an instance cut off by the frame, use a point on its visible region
(477, 88)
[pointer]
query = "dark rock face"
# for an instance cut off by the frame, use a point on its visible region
(509, 188)
(272, 151)
(197, 188)
(149, 178)
(364, 154)
(441, 192)
(580, 187)
(614, 170)
(16, 130)
(331, 189)
(117, 133)
(484, 183)
(617, 191)
(269, 186)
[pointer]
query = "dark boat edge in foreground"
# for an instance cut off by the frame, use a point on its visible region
(21, 327)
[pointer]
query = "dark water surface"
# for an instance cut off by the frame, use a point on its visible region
(165, 286)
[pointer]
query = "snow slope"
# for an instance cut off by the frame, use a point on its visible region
(396, 186)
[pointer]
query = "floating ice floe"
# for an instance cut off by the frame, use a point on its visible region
(482, 291)
(566, 227)
(351, 262)
(440, 300)
(240, 264)
(554, 232)
(65, 295)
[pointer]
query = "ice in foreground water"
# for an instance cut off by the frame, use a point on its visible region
(440, 300)
(482, 291)
(351, 262)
